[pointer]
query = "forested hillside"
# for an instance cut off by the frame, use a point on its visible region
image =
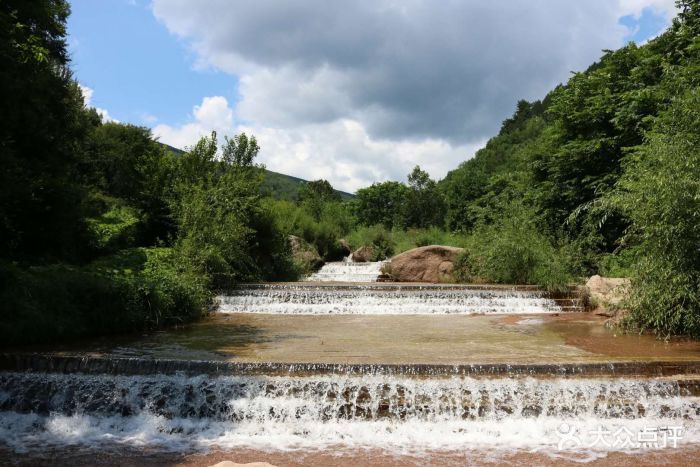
(602, 176)
(608, 167)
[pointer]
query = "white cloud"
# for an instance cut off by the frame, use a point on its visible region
(87, 96)
(340, 151)
(148, 118)
(214, 114)
(344, 153)
(363, 91)
(667, 8)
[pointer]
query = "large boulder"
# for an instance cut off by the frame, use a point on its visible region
(432, 263)
(305, 254)
(364, 254)
(606, 293)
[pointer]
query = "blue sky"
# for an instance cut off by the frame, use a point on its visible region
(353, 96)
(648, 25)
(138, 70)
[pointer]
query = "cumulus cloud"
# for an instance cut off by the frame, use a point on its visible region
(666, 8)
(87, 97)
(340, 151)
(391, 80)
(344, 153)
(213, 114)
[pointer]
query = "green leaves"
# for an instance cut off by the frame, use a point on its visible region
(223, 230)
(660, 192)
(381, 203)
(514, 251)
(240, 150)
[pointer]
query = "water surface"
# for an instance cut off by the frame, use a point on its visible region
(428, 339)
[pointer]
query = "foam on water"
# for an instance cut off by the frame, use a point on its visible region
(347, 271)
(376, 301)
(180, 413)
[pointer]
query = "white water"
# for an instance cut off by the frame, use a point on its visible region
(398, 414)
(311, 300)
(347, 271)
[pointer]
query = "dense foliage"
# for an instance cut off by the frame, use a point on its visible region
(41, 142)
(660, 194)
(607, 168)
(102, 228)
(394, 204)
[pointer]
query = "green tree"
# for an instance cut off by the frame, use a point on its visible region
(223, 229)
(240, 150)
(424, 205)
(42, 128)
(124, 161)
(212, 205)
(315, 195)
(381, 203)
(319, 189)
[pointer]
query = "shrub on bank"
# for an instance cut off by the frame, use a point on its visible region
(137, 290)
(378, 237)
(324, 234)
(660, 193)
(114, 229)
(513, 252)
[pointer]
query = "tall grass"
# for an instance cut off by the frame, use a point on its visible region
(514, 251)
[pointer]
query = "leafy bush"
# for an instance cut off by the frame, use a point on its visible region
(376, 236)
(660, 192)
(513, 252)
(114, 229)
(412, 238)
(620, 264)
(135, 290)
(271, 250)
(217, 208)
(381, 203)
(464, 269)
(324, 234)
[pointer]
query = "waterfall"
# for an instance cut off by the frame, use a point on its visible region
(38, 411)
(347, 271)
(98, 403)
(390, 299)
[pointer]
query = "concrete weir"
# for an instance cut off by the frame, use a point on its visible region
(102, 405)
(395, 298)
(41, 363)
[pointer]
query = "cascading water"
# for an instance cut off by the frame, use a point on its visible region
(388, 300)
(347, 271)
(100, 404)
(341, 411)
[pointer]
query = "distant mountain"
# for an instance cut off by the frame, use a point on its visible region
(276, 185)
